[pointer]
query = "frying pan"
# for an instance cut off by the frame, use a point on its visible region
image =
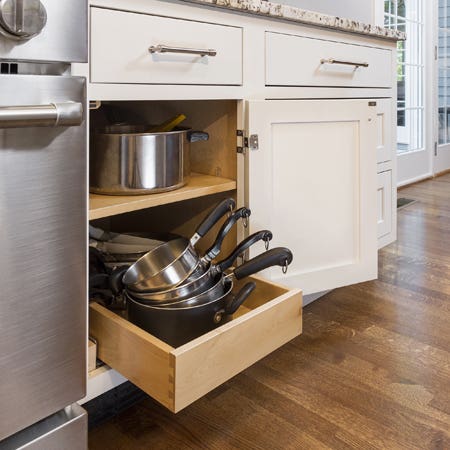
(279, 256)
(171, 263)
(203, 282)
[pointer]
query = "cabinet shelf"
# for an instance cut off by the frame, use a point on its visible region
(198, 186)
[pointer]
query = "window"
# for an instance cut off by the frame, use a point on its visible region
(407, 15)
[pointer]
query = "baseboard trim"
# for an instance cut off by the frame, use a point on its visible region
(439, 174)
(415, 180)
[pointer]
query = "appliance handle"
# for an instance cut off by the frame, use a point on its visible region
(51, 115)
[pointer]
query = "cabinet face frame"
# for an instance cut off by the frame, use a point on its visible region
(261, 117)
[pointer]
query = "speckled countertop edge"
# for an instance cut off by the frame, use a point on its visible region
(291, 13)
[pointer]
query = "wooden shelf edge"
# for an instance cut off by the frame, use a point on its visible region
(200, 185)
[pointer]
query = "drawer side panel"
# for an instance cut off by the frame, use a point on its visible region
(137, 355)
(209, 361)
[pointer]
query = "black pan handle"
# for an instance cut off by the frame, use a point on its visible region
(98, 280)
(213, 251)
(115, 279)
(226, 263)
(96, 258)
(240, 298)
(279, 256)
(196, 136)
(218, 212)
(233, 305)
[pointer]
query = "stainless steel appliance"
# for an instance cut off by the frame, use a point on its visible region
(42, 224)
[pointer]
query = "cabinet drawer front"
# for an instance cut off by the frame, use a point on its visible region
(300, 61)
(176, 377)
(121, 42)
(384, 203)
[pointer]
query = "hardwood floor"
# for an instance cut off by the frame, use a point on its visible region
(371, 371)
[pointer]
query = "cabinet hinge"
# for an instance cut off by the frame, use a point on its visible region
(245, 143)
(435, 148)
(435, 52)
(253, 142)
(241, 145)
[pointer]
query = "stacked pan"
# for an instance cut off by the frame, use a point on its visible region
(177, 295)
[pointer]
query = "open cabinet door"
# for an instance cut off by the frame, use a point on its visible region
(312, 181)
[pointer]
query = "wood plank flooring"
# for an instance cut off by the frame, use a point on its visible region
(371, 371)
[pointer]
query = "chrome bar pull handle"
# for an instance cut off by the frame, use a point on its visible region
(187, 51)
(51, 115)
(344, 63)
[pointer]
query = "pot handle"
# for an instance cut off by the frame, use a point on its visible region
(240, 298)
(196, 136)
(96, 257)
(279, 256)
(212, 252)
(218, 212)
(237, 300)
(226, 263)
(115, 279)
(98, 280)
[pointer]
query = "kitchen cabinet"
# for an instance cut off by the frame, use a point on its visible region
(269, 318)
(386, 168)
(298, 141)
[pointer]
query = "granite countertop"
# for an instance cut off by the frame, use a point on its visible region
(293, 14)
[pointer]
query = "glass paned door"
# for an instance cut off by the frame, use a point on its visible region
(413, 153)
(407, 16)
(442, 160)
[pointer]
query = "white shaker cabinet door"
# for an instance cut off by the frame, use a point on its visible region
(313, 183)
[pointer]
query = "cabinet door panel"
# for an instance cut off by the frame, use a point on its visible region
(384, 130)
(313, 183)
(384, 203)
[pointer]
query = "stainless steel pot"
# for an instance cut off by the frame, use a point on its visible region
(125, 159)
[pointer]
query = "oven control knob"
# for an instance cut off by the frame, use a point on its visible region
(22, 19)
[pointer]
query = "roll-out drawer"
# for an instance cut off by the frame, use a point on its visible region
(121, 41)
(176, 377)
(302, 61)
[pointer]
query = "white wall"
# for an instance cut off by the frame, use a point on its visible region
(361, 10)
